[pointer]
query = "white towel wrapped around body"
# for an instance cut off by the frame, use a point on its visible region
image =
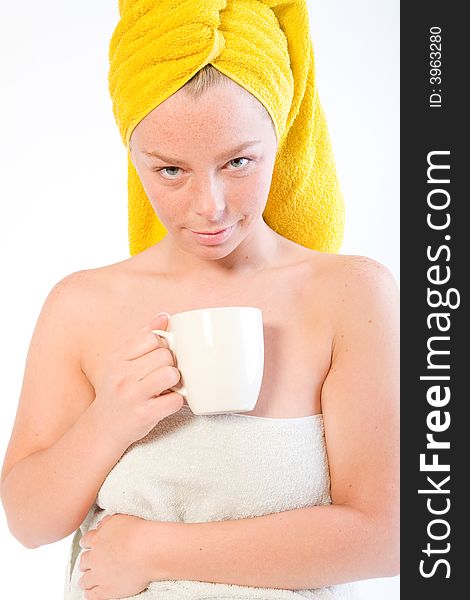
(193, 468)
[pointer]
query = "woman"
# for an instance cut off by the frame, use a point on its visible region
(96, 380)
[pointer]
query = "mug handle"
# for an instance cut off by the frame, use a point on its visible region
(170, 338)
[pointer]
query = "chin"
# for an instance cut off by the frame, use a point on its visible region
(214, 252)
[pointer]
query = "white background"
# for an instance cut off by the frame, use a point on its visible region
(63, 180)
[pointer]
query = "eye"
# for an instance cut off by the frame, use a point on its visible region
(238, 159)
(162, 169)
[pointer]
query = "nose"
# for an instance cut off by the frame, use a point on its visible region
(208, 199)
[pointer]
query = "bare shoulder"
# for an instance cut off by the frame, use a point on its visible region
(80, 290)
(73, 288)
(87, 281)
(348, 268)
(73, 294)
(355, 276)
(349, 286)
(362, 274)
(367, 281)
(78, 299)
(67, 298)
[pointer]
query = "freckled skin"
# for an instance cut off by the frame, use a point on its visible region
(204, 192)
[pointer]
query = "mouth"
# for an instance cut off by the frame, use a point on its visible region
(210, 232)
(213, 237)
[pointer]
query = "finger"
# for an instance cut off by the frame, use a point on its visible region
(158, 381)
(162, 319)
(85, 560)
(158, 318)
(169, 404)
(86, 540)
(144, 341)
(159, 357)
(86, 581)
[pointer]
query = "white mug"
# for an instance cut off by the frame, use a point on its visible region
(220, 354)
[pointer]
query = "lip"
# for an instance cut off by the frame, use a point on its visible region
(211, 232)
(210, 239)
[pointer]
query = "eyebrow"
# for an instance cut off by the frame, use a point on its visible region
(223, 155)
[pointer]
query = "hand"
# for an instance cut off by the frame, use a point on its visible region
(130, 398)
(114, 564)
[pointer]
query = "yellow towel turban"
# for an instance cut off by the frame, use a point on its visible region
(264, 46)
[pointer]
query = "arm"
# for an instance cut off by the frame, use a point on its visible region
(58, 454)
(357, 536)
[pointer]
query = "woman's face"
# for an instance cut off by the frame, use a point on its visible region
(206, 165)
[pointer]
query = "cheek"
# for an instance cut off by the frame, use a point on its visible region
(163, 204)
(255, 193)
(167, 209)
(167, 203)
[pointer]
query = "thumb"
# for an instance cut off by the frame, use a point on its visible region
(159, 321)
(162, 317)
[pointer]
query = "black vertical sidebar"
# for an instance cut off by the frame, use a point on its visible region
(435, 259)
